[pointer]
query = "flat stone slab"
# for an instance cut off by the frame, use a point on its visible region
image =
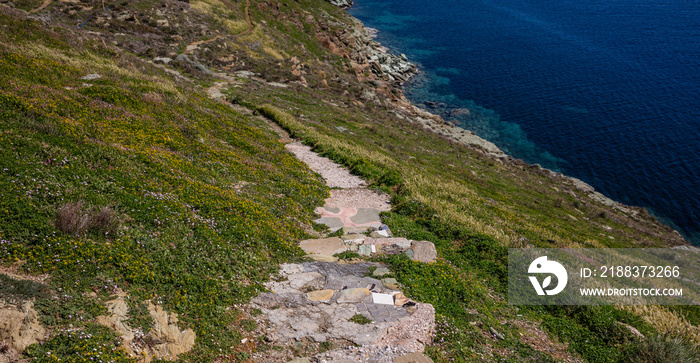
(358, 198)
(322, 322)
(330, 269)
(424, 251)
(323, 246)
(364, 250)
(366, 216)
(386, 299)
(277, 300)
(354, 238)
(337, 218)
(354, 295)
(349, 282)
(335, 175)
(398, 241)
(382, 313)
(320, 295)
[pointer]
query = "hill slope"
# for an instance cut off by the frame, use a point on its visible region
(121, 175)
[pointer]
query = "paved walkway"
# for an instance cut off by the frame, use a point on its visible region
(355, 301)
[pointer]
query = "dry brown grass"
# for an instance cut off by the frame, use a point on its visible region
(666, 322)
(76, 219)
(72, 219)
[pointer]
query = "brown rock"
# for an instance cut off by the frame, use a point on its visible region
(320, 295)
(165, 330)
(400, 299)
(20, 328)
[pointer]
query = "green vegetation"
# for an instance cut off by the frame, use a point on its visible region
(93, 343)
(137, 181)
(359, 319)
(16, 291)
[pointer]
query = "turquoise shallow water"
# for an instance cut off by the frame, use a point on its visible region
(604, 91)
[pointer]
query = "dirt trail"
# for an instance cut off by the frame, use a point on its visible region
(44, 5)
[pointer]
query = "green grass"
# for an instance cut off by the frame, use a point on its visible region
(360, 319)
(139, 182)
(204, 201)
(467, 286)
(16, 291)
(93, 343)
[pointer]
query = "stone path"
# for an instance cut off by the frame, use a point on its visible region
(352, 205)
(323, 301)
(355, 301)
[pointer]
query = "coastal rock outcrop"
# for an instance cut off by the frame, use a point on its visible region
(171, 341)
(385, 73)
(343, 4)
(20, 328)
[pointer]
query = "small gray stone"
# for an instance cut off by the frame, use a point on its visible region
(380, 234)
(381, 271)
(364, 250)
(164, 60)
(496, 334)
(390, 283)
(90, 77)
(409, 253)
(424, 251)
(403, 243)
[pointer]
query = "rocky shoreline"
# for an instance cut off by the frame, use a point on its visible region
(390, 72)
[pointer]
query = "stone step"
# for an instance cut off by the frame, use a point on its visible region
(323, 246)
(336, 218)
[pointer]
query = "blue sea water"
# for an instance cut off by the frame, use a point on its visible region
(607, 91)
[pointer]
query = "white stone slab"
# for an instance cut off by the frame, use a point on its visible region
(386, 299)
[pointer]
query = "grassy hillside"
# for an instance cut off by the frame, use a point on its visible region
(118, 174)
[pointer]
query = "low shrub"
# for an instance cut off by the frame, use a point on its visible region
(663, 348)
